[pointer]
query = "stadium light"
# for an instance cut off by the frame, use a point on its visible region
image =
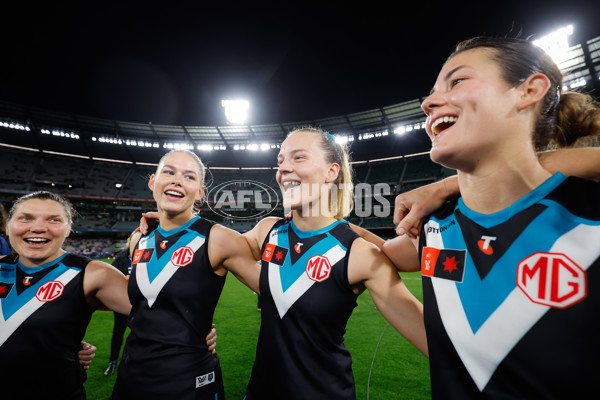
(556, 43)
(236, 111)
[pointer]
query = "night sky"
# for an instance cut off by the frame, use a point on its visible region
(172, 65)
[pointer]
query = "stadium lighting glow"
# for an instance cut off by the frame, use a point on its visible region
(556, 43)
(236, 111)
(14, 125)
(578, 83)
(343, 139)
(211, 147)
(371, 135)
(178, 146)
(61, 133)
(401, 130)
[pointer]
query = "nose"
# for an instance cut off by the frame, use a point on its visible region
(176, 179)
(284, 166)
(39, 225)
(431, 102)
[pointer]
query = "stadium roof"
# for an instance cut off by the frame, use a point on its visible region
(172, 65)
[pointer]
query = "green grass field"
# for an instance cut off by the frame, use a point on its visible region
(399, 370)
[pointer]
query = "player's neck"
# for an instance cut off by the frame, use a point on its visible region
(490, 191)
(312, 223)
(170, 221)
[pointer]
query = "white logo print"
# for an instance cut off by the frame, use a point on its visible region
(204, 380)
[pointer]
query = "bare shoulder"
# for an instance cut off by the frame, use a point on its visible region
(135, 238)
(363, 248)
(364, 255)
(260, 230)
(219, 233)
(98, 265)
(97, 272)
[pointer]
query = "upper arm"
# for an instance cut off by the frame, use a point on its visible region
(257, 235)
(104, 285)
(135, 238)
(230, 250)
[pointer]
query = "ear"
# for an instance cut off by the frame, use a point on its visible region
(532, 91)
(332, 173)
(151, 182)
(200, 193)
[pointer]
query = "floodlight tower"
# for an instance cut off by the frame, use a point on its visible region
(236, 111)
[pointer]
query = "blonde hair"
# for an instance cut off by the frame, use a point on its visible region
(335, 153)
(201, 166)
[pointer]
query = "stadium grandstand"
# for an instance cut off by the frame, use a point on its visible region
(103, 165)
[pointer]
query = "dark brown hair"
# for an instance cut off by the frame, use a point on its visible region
(44, 195)
(563, 117)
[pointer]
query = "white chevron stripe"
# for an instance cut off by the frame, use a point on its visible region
(8, 327)
(483, 351)
(284, 300)
(151, 290)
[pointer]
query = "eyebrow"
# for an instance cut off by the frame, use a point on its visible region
(26, 214)
(185, 171)
(279, 156)
(448, 75)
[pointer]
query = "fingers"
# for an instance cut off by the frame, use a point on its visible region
(409, 224)
(86, 355)
(143, 228)
(400, 211)
(148, 220)
(211, 340)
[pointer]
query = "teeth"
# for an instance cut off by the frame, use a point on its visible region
(173, 193)
(290, 184)
(36, 240)
(446, 119)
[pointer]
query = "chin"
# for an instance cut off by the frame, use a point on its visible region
(443, 158)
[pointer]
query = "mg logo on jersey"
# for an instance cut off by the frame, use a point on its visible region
(552, 279)
(182, 256)
(49, 291)
(318, 268)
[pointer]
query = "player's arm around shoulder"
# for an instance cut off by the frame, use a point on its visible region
(368, 266)
(582, 162)
(228, 250)
(135, 238)
(106, 287)
(402, 252)
(256, 236)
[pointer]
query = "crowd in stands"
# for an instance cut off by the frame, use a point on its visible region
(94, 248)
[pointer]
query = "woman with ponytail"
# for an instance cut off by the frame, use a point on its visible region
(511, 267)
(314, 266)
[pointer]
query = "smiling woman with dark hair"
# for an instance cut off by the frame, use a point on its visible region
(510, 268)
(47, 297)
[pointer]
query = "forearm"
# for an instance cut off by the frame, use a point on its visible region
(402, 253)
(580, 162)
(405, 313)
